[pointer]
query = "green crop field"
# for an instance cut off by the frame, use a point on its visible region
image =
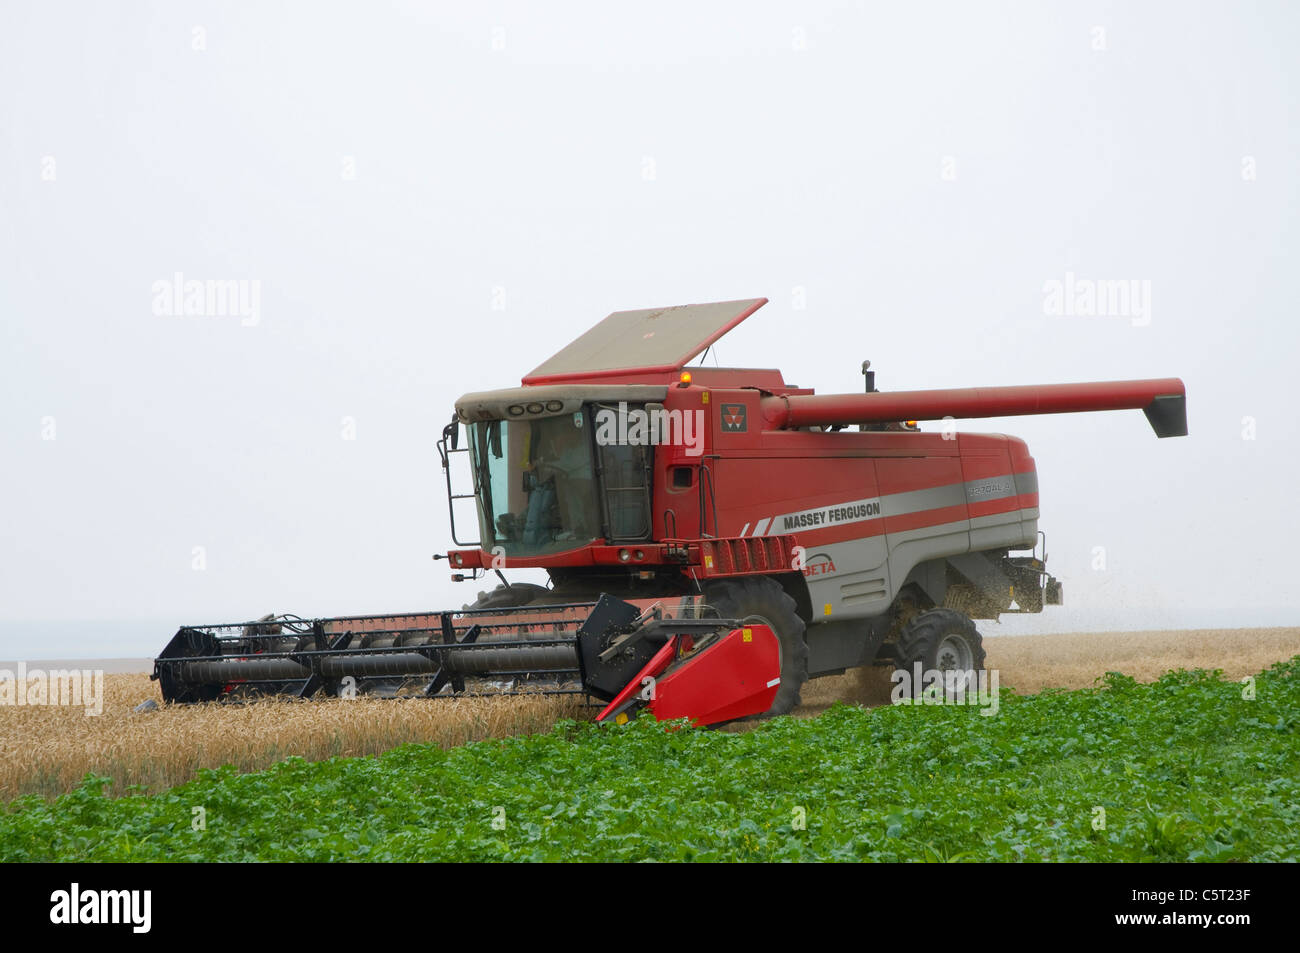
(1190, 767)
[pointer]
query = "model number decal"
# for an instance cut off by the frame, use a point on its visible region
(990, 488)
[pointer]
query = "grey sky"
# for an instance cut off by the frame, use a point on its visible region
(911, 174)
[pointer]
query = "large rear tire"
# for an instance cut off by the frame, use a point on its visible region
(760, 600)
(939, 639)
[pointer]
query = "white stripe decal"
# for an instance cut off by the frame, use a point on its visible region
(775, 681)
(745, 530)
(903, 503)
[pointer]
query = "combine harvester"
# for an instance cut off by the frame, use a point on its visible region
(714, 537)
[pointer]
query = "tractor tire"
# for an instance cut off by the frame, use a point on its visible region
(759, 600)
(942, 639)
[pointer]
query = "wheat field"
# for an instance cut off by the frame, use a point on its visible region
(48, 750)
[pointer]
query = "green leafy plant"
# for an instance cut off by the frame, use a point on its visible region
(1182, 769)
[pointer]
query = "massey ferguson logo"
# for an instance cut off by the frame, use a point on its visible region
(733, 418)
(829, 516)
(818, 564)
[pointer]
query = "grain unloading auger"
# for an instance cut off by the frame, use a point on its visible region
(713, 537)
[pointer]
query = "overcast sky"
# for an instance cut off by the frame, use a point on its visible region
(432, 198)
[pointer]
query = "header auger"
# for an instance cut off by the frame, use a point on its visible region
(713, 536)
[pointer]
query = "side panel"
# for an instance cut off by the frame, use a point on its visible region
(924, 523)
(1026, 475)
(993, 494)
(867, 507)
(833, 505)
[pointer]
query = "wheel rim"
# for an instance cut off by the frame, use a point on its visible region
(954, 655)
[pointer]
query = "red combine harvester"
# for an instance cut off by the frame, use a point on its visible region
(714, 537)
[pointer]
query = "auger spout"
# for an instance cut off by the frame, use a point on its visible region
(1163, 401)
